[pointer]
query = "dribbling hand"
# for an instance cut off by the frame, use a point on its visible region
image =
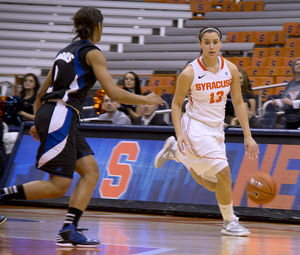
(33, 133)
(251, 148)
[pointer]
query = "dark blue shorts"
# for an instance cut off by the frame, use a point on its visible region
(61, 143)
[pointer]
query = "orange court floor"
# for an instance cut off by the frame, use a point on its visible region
(33, 230)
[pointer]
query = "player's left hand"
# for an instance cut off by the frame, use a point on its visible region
(251, 147)
(33, 133)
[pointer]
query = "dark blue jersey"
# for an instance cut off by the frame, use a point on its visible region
(72, 76)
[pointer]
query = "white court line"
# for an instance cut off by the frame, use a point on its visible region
(161, 250)
(154, 252)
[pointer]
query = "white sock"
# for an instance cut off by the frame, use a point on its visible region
(227, 212)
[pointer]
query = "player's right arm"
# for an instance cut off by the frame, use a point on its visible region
(97, 61)
(183, 84)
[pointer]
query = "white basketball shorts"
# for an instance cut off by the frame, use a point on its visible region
(206, 148)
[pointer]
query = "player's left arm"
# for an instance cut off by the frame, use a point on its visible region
(251, 146)
(42, 91)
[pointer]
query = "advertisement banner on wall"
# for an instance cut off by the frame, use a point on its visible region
(127, 172)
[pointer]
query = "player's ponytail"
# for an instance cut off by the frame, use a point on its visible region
(85, 20)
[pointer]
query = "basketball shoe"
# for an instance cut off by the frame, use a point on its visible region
(166, 153)
(2, 219)
(234, 228)
(72, 237)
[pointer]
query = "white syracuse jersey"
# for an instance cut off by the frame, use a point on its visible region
(209, 93)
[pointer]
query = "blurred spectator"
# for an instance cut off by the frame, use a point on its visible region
(30, 87)
(290, 99)
(131, 83)
(247, 94)
(19, 108)
(149, 116)
(2, 150)
(253, 120)
(112, 113)
(9, 139)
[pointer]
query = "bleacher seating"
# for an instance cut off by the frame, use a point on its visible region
(224, 30)
(184, 47)
(241, 23)
(88, 113)
(174, 39)
(252, 15)
(281, 79)
(50, 22)
(150, 36)
(269, 123)
(250, 6)
(34, 31)
(271, 116)
(281, 6)
(108, 4)
(276, 1)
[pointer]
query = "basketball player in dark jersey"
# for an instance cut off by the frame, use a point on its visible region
(63, 149)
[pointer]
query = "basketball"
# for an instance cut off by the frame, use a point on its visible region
(261, 188)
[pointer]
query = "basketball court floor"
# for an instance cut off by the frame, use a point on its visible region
(31, 231)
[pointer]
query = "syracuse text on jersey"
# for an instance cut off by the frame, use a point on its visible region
(213, 85)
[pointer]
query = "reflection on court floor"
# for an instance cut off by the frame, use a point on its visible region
(30, 231)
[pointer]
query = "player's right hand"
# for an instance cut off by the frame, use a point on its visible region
(251, 147)
(33, 133)
(154, 99)
(180, 142)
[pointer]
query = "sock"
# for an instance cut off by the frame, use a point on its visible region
(72, 217)
(13, 192)
(227, 212)
(179, 157)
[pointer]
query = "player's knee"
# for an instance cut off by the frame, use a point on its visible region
(224, 175)
(210, 186)
(59, 186)
(96, 174)
(62, 190)
(93, 174)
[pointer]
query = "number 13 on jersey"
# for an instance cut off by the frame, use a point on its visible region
(216, 97)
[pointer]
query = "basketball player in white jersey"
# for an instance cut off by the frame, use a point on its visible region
(200, 136)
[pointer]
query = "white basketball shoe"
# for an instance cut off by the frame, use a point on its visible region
(234, 228)
(166, 153)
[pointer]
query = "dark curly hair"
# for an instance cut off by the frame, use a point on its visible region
(85, 20)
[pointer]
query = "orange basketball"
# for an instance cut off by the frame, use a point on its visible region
(261, 188)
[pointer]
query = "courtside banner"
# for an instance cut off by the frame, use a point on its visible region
(127, 172)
